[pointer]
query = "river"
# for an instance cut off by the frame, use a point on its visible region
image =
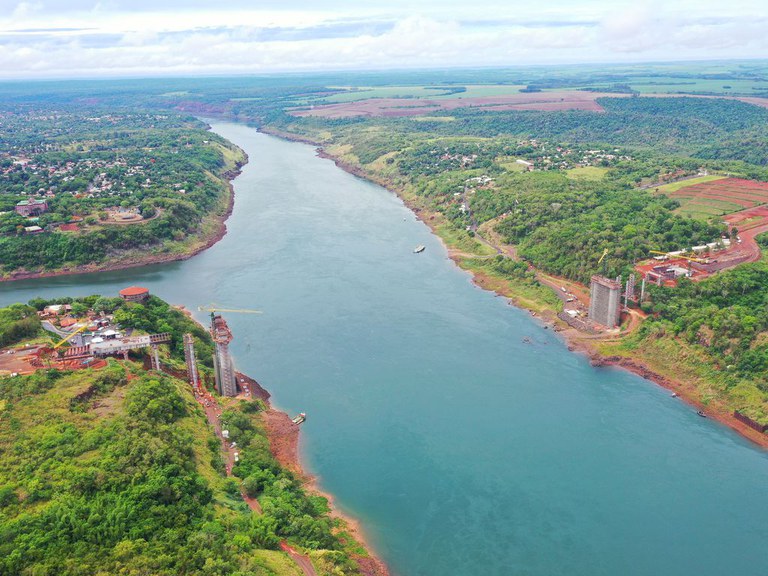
(461, 448)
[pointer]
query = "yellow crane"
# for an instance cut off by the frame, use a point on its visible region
(214, 308)
(605, 253)
(689, 258)
(70, 336)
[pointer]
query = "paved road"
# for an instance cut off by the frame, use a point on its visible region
(51, 328)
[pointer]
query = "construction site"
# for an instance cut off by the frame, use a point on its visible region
(80, 342)
(608, 298)
(87, 341)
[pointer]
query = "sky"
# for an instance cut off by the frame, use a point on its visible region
(87, 38)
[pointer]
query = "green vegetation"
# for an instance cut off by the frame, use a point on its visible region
(368, 92)
(117, 471)
(515, 280)
(587, 173)
(705, 208)
(17, 322)
(151, 317)
(115, 183)
(675, 186)
(722, 322)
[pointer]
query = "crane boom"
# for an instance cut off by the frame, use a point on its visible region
(690, 258)
(213, 308)
(70, 336)
(605, 253)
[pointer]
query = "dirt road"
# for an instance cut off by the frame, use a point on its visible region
(213, 413)
(303, 561)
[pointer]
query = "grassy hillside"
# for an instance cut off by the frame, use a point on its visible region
(117, 471)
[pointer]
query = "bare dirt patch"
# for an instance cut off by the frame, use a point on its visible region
(16, 360)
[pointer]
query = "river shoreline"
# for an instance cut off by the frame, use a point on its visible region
(220, 230)
(575, 341)
(284, 437)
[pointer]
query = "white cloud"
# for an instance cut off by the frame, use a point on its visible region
(25, 10)
(99, 38)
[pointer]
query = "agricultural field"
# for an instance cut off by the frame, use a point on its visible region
(675, 186)
(392, 107)
(690, 85)
(716, 196)
(358, 93)
(439, 92)
(587, 173)
(511, 164)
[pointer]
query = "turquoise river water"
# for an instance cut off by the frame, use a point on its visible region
(462, 449)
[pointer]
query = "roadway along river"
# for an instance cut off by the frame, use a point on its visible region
(462, 449)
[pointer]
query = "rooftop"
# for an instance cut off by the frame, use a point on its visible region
(133, 291)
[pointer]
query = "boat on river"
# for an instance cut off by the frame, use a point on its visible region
(419, 249)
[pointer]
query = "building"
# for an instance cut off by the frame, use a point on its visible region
(605, 301)
(56, 309)
(134, 294)
(224, 369)
(32, 207)
(667, 273)
(67, 322)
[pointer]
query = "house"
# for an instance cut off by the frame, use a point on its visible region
(32, 229)
(134, 294)
(56, 309)
(32, 207)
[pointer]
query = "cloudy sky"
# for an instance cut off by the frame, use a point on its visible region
(74, 38)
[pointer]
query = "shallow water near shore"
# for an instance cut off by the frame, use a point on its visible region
(462, 449)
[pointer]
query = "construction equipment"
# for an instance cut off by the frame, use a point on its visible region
(600, 261)
(70, 336)
(689, 258)
(213, 308)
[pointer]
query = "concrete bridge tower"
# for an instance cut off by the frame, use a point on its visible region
(224, 370)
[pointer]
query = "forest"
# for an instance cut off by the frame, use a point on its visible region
(725, 319)
(18, 322)
(117, 471)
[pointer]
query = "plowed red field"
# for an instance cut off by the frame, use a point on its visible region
(746, 193)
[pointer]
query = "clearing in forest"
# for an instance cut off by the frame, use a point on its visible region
(587, 173)
(717, 196)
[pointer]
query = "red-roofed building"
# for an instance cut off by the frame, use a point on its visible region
(134, 294)
(69, 227)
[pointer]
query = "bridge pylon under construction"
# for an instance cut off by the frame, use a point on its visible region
(224, 369)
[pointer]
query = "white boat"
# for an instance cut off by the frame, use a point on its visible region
(419, 249)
